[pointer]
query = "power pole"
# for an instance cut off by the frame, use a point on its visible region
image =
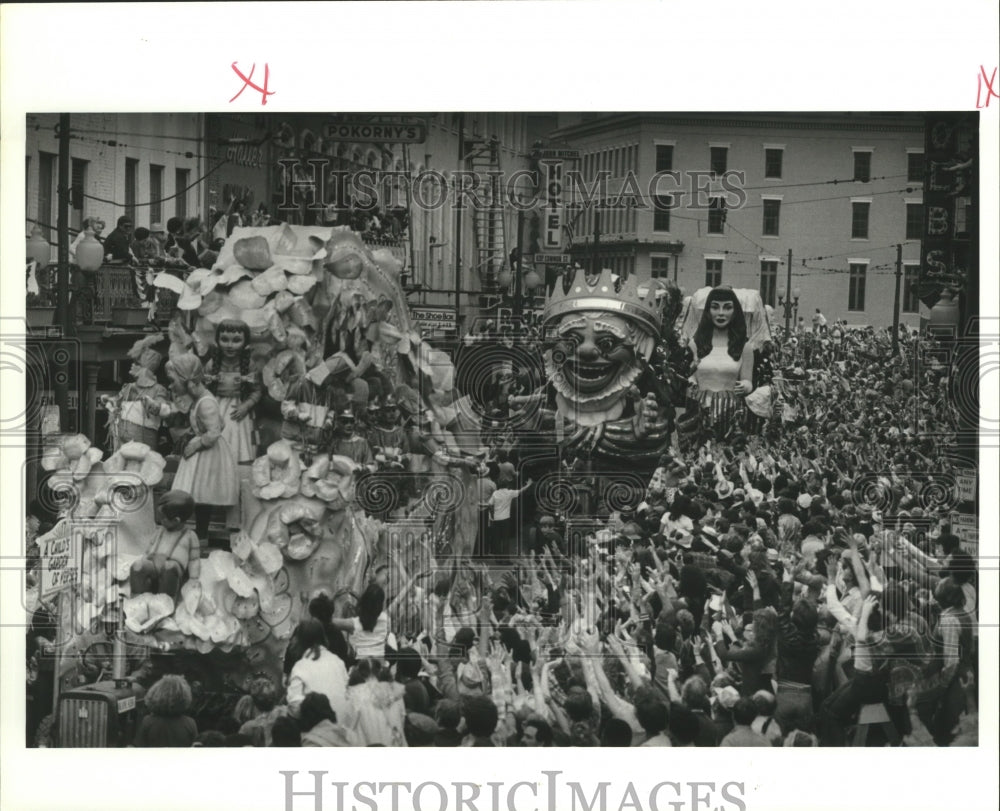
(409, 223)
(518, 298)
(788, 293)
(61, 384)
(458, 228)
(895, 305)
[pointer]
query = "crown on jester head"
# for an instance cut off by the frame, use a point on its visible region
(629, 301)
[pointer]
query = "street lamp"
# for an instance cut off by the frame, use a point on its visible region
(38, 248)
(90, 252)
(789, 305)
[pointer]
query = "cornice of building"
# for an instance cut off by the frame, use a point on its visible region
(847, 122)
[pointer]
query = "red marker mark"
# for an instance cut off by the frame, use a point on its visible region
(264, 92)
(990, 92)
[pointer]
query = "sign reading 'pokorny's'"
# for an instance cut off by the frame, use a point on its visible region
(406, 132)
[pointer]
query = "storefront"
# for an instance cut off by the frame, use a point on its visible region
(241, 144)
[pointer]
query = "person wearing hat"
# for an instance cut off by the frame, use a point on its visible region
(158, 240)
(348, 440)
(386, 429)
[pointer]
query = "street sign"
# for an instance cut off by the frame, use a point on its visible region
(435, 319)
(966, 527)
(559, 154)
(403, 132)
(552, 258)
(966, 484)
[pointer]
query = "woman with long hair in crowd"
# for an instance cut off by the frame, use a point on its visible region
(317, 671)
(167, 722)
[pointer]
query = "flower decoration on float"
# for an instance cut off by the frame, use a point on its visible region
(294, 529)
(331, 479)
(276, 474)
(137, 460)
(72, 459)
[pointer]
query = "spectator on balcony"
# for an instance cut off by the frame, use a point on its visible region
(118, 245)
(177, 244)
(157, 241)
(143, 245)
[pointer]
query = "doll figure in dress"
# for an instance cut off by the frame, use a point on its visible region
(175, 553)
(723, 362)
(230, 376)
(208, 468)
(138, 421)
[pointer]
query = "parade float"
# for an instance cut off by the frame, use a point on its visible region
(329, 338)
(298, 333)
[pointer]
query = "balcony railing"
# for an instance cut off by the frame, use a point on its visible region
(95, 295)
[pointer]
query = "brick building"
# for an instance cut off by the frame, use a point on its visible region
(146, 165)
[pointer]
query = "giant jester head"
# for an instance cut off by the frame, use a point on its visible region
(598, 335)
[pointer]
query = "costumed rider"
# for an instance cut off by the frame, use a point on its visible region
(599, 340)
(386, 435)
(348, 440)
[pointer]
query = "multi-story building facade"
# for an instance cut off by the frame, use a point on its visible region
(430, 247)
(146, 165)
(722, 199)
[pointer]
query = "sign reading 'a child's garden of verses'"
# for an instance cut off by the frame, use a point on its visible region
(60, 553)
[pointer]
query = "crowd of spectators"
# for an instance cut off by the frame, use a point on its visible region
(802, 587)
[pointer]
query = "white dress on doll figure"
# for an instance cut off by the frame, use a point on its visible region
(236, 386)
(208, 468)
(722, 382)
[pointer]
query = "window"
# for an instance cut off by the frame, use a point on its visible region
(664, 157)
(155, 193)
(717, 159)
(862, 166)
(856, 294)
(716, 215)
(772, 212)
(661, 212)
(911, 277)
(859, 220)
(46, 194)
(78, 182)
(131, 186)
(768, 280)
(915, 167)
(713, 272)
(772, 163)
(180, 185)
(914, 221)
(659, 267)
